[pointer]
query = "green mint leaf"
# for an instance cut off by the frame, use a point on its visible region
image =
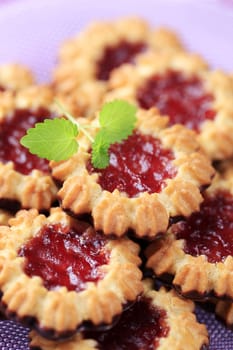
(100, 156)
(117, 119)
(54, 139)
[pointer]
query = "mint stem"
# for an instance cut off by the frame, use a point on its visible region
(74, 121)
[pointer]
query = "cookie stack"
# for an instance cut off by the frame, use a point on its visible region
(86, 251)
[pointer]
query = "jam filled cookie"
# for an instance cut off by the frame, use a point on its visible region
(57, 274)
(198, 251)
(157, 320)
(154, 174)
(5, 216)
(25, 179)
(224, 310)
(181, 87)
(15, 77)
(87, 60)
(225, 168)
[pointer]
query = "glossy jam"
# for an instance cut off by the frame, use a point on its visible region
(137, 164)
(64, 256)
(209, 231)
(139, 328)
(182, 98)
(114, 56)
(11, 131)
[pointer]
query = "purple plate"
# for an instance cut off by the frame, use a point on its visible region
(31, 32)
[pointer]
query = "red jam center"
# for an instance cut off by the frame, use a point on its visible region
(139, 328)
(114, 56)
(137, 164)
(182, 98)
(11, 131)
(64, 256)
(209, 231)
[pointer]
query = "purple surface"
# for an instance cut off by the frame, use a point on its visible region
(31, 31)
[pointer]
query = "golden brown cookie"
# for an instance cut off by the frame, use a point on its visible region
(197, 252)
(224, 310)
(57, 273)
(5, 216)
(155, 174)
(181, 87)
(15, 77)
(157, 320)
(24, 178)
(86, 61)
(225, 168)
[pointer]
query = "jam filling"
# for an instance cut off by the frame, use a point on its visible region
(210, 231)
(12, 130)
(139, 328)
(115, 56)
(64, 256)
(137, 164)
(182, 98)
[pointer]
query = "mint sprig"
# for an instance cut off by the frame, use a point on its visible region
(56, 139)
(117, 120)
